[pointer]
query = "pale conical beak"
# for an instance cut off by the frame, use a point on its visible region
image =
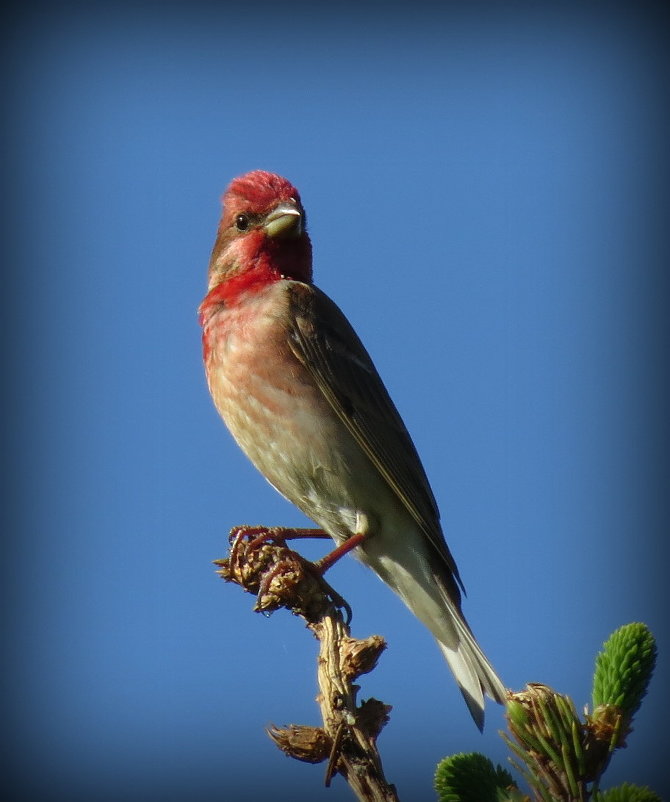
(284, 221)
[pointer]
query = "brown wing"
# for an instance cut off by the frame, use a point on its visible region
(323, 340)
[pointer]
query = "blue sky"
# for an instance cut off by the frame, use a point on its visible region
(482, 188)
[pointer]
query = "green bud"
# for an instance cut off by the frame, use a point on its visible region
(624, 668)
(470, 777)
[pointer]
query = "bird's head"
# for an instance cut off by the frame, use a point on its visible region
(262, 232)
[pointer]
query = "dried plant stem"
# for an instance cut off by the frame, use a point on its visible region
(263, 565)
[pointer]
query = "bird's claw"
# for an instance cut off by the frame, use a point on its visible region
(337, 600)
(246, 539)
(251, 537)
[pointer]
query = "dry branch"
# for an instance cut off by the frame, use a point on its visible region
(347, 738)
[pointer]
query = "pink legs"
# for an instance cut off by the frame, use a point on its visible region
(260, 534)
(257, 535)
(330, 559)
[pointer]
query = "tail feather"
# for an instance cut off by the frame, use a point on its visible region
(433, 598)
(473, 672)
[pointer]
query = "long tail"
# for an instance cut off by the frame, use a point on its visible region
(473, 672)
(432, 600)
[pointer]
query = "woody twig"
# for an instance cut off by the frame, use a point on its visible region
(347, 739)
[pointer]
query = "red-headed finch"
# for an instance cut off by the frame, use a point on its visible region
(304, 401)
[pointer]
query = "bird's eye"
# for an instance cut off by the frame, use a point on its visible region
(242, 222)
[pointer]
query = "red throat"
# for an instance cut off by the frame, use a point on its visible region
(231, 291)
(272, 261)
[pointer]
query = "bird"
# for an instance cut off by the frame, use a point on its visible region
(302, 398)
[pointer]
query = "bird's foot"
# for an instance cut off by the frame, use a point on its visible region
(256, 536)
(266, 574)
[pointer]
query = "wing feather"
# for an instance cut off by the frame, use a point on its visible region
(323, 340)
